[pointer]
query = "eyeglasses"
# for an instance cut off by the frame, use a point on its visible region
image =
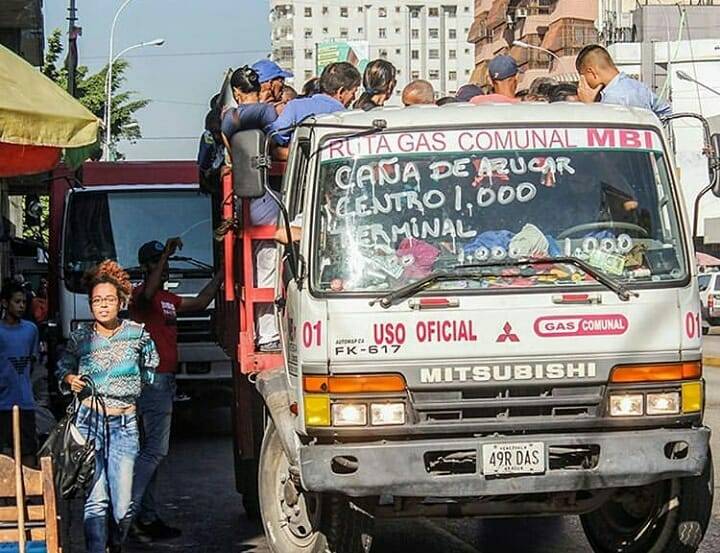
(107, 300)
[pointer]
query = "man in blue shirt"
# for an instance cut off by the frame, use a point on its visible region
(19, 344)
(599, 75)
(338, 85)
(272, 80)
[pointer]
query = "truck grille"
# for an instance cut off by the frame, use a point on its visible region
(195, 329)
(493, 404)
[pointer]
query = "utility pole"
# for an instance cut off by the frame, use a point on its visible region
(71, 60)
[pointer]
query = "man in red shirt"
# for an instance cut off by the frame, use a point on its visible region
(157, 309)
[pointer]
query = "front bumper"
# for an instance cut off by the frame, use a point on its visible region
(626, 458)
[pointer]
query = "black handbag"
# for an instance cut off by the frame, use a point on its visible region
(73, 455)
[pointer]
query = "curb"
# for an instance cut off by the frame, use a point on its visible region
(711, 361)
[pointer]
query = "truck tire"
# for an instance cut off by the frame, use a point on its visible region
(296, 521)
(666, 517)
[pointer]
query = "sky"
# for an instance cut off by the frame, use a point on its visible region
(202, 40)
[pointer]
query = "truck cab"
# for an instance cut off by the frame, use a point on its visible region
(117, 208)
(492, 311)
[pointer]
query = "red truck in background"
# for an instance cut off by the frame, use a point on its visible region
(108, 214)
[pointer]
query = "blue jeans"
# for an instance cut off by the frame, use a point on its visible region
(156, 406)
(111, 490)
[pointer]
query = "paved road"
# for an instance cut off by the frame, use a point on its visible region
(199, 496)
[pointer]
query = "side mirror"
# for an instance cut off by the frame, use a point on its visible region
(714, 161)
(250, 164)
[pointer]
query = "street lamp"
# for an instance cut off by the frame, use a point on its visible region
(685, 77)
(108, 79)
(521, 44)
(108, 88)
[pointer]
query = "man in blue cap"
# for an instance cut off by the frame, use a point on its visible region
(272, 80)
(503, 71)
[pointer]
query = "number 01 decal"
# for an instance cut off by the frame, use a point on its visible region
(311, 333)
(693, 326)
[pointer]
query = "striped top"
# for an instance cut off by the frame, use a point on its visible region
(119, 365)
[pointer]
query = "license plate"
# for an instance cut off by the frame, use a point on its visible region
(513, 458)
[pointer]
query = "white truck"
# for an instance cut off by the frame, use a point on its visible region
(492, 311)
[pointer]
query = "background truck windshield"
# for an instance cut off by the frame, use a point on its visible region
(397, 207)
(113, 225)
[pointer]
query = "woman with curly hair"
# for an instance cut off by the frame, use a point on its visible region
(119, 357)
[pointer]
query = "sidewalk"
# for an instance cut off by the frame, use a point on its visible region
(711, 348)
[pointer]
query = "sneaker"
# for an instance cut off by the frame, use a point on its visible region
(158, 530)
(270, 347)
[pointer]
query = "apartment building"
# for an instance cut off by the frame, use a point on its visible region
(561, 27)
(423, 40)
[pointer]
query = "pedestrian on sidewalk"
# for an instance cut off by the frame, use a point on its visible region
(157, 308)
(19, 350)
(120, 358)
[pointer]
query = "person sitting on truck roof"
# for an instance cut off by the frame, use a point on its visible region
(379, 80)
(563, 92)
(252, 114)
(155, 307)
(600, 77)
(272, 80)
(310, 88)
(211, 152)
(418, 92)
(503, 71)
(338, 86)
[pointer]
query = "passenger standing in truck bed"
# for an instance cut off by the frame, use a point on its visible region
(248, 115)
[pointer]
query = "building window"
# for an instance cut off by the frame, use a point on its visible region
(360, 30)
(343, 12)
(434, 54)
(415, 74)
(434, 33)
(434, 74)
(415, 54)
(398, 30)
(325, 30)
(433, 12)
(452, 54)
(308, 12)
(382, 54)
(415, 33)
(308, 33)
(452, 34)
(452, 75)
(325, 10)
(467, 72)
(344, 33)
(397, 9)
(467, 51)
(308, 53)
(415, 14)
(398, 51)
(466, 9)
(382, 12)
(360, 9)
(382, 32)
(452, 12)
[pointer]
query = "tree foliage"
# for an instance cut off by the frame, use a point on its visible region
(91, 92)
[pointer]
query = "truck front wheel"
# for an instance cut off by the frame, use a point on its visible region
(296, 521)
(666, 517)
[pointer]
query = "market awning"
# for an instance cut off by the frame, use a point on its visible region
(38, 119)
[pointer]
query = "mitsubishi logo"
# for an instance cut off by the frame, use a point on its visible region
(508, 334)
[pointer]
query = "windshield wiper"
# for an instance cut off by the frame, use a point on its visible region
(192, 261)
(413, 288)
(620, 289)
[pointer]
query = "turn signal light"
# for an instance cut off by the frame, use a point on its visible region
(354, 384)
(659, 372)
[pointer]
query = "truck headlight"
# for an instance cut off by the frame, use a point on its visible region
(663, 403)
(349, 414)
(626, 405)
(387, 414)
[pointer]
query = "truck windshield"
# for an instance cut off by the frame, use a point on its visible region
(113, 225)
(396, 207)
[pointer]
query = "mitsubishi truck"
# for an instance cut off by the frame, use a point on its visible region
(491, 312)
(109, 214)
